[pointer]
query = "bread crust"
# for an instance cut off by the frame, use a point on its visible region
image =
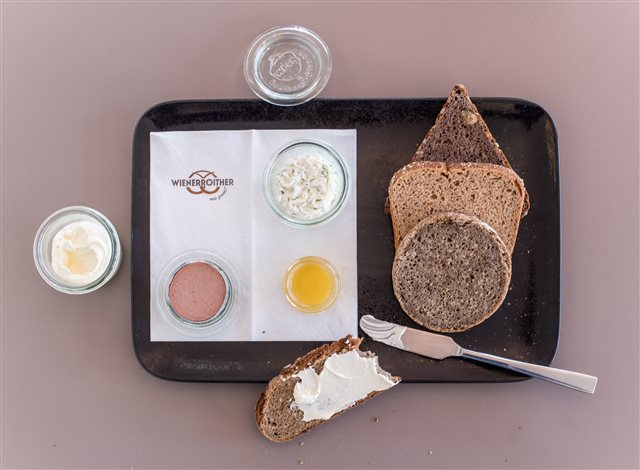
(316, 359)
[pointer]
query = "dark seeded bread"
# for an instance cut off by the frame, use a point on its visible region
(451, 272)
(492, 193)
(274, 416)
(461, 135)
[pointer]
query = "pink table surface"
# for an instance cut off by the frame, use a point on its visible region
(77, 75)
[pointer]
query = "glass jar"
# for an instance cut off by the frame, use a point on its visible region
(297, 189)
(198, 292)
(311, 284)
(43, 249)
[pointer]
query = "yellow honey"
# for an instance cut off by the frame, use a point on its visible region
(311, 284)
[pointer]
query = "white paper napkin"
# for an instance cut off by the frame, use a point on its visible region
(240, 227)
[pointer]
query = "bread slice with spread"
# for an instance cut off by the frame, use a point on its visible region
(319, 386)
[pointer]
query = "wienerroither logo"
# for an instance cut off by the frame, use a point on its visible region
(204, 182)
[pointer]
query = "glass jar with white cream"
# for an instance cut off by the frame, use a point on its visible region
(77, 250)
(306, 183)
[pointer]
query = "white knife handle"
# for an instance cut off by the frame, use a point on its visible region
(575, 380)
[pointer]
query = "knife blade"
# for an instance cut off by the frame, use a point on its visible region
(440, 347)
(419, 342)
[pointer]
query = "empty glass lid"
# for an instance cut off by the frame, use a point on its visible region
(287, 65)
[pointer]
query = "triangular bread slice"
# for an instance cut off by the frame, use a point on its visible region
(492, 193)
(451, 272)
(277, 419)
(461, 135)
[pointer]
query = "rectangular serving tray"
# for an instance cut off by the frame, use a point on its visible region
(526, 327)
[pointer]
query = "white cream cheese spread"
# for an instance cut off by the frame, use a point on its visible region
(307, 186)
(345, 379)
(80, 252)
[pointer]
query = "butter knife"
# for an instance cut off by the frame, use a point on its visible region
(438, 346)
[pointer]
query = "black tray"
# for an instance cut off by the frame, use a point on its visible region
(526, 327)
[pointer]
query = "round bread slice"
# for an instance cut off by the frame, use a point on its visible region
(451, 272)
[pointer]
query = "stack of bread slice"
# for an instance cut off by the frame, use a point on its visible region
(455, 210)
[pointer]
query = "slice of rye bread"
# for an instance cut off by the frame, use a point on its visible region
(275, 418)
(461, 135)
(492, 193)
(451, 272)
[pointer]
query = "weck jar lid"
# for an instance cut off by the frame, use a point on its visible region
(287, 65)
